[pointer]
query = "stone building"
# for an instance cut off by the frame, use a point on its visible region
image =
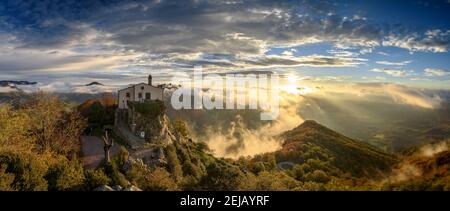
(140, 93)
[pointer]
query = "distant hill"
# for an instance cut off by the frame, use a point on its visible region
(12, 86)
(439, 133)
(95, 83)
(313, 141)
(9, 83)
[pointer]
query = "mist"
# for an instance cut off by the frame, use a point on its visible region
(240, 141)
(389, 117)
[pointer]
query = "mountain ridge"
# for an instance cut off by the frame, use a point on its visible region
(311, 140)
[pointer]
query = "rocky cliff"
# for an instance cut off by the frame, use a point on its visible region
(145, 123)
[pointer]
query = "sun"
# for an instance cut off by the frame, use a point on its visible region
(292, 79)
(291, 85)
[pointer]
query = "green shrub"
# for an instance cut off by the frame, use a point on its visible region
(318, 176)
(156, 180)
(191, 169)
(173, 164)
(136, 174)
(6, 179)
(180, 127)
(298, 172)
(28, 171)
(259, 167)
(117, 178)
(121, 157)
(95, 178)
(65, 175)
(151, 108)
(159, 180)
(269, 181)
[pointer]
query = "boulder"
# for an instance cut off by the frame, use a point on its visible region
(104, 188)
(132, 188)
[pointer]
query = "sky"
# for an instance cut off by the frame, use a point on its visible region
(119, 42)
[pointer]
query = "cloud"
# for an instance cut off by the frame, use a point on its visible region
(419, 79)
(65, 87)
(393, 72)
(240, 141)
(431, 72)
(402, 63)
(423, 98)
(7, 89)
(289, 52)
(306, 61)
(376, 79)
(62, 87)
(436, 41)
(343, 53)
(407, 169)
(328, 78)
(383, 53)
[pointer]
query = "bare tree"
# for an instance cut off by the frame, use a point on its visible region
(108, 143)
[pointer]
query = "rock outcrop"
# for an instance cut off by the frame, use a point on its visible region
(144, 123)
(117, 188)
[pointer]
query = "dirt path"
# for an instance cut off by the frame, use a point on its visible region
(93, 153)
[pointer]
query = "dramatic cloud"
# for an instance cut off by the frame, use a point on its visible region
(143, 36)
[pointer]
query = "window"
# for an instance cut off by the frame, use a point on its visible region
(147, 96)
(128, 94)
(142, 88)
(139, 95)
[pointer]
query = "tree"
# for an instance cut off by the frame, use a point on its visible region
(108, 143)
(180, 127)
(318, 176)
(14, 127)
(222, 176)
(52, 125)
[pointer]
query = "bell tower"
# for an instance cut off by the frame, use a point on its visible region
(150, 80)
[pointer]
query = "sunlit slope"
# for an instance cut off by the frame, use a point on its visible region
(311, 140)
